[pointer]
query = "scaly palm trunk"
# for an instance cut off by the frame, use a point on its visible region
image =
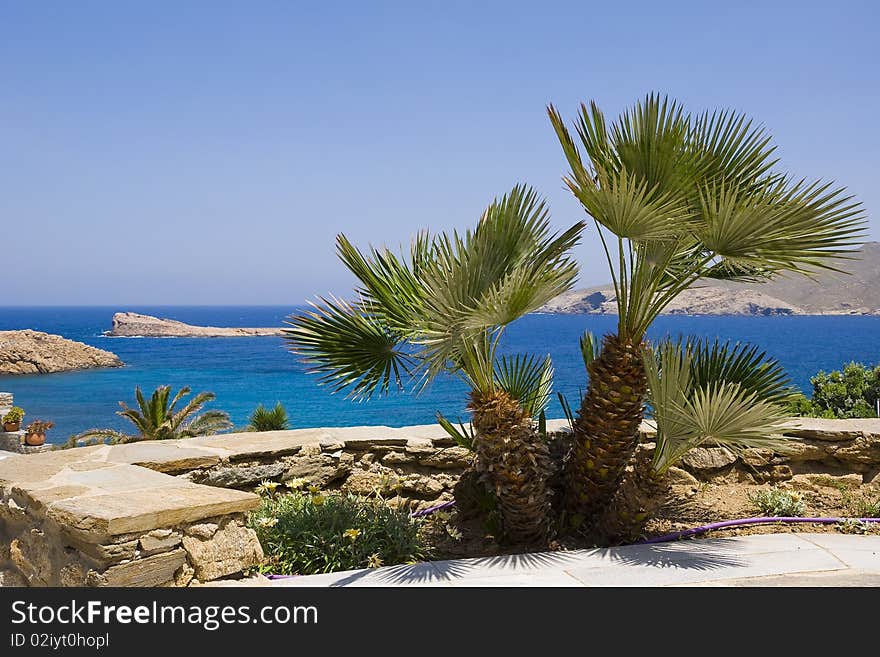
(639, 497)
(606, 431)
(514, 463)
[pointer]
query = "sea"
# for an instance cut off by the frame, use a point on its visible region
(245, 372)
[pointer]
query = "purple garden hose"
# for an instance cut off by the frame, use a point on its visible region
(746, 521)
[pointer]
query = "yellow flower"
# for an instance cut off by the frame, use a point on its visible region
(314, 489)
(352, 534)
(267, 487)
(296, 483)
(374, 561)
(318, 500)
(267, 522)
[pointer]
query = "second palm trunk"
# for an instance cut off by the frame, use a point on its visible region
(606, 430)
(514, 462)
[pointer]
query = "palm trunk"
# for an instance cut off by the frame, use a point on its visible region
(639, 497)
(606, 431)
(514, 463)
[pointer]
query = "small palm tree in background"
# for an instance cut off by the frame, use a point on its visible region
(264, 419)
(675, 199)
(444, 309)
(157, 418)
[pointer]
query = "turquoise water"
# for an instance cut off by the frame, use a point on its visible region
(244, 372)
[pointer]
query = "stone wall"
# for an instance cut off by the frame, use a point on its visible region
(173, 513)
(832, 447)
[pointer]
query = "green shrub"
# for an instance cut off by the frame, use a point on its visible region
(861, 504)
(777, 502)
(848, 393)
(304, 533)
(264, 419)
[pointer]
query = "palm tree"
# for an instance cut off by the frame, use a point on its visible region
(157, 419)
(444, 309)
(264, 419)
(676, 199)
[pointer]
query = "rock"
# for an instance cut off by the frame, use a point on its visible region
(152, 571)
(370, 482)
(242, 476)
(232, 549)
(678, 477)
(30, 556)
(863, 451)
(396, 458)
(11, 578)
(423, 486)
(108, 554)
(184, 575)
(319, 469)
(74, 574)
(137, 325)
(775, 474)
(451, 457)
(804, 449)
(707, 458)
(832, 481)
(203, 530)
(159, 540)
(34, 352)
(757, 458)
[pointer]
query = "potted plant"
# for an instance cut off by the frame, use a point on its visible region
(35, 432)
(12, 420)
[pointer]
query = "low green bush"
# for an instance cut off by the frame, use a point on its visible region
(775, 502)
(848, 393)
(265, 419)
(304, 533)
(861, 504)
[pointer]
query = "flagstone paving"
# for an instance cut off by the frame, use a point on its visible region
(757, 560)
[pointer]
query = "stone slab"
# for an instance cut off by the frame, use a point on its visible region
(832, 430)
(171, 456)
(152, 571)
(261, 444)
(112, 514)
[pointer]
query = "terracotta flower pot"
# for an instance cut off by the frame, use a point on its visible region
(34, 439)
(11, 426)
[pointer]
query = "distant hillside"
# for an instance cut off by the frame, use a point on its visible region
(827, 294)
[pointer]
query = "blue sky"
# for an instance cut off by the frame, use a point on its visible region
(208, 152)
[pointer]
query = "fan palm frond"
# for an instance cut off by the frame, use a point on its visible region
(528, 379)
(349, 348)
(713, 394)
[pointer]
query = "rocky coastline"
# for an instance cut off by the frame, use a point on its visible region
(131, 325)
(823, 293)
(34, 352)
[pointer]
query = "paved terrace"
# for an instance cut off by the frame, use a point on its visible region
(757, 560)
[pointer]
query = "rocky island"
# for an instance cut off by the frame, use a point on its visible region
(131, 325)
(34, 352)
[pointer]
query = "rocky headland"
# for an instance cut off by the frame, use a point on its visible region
(696, 301)
(825, 293)
(131, 325)
(34, 352)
